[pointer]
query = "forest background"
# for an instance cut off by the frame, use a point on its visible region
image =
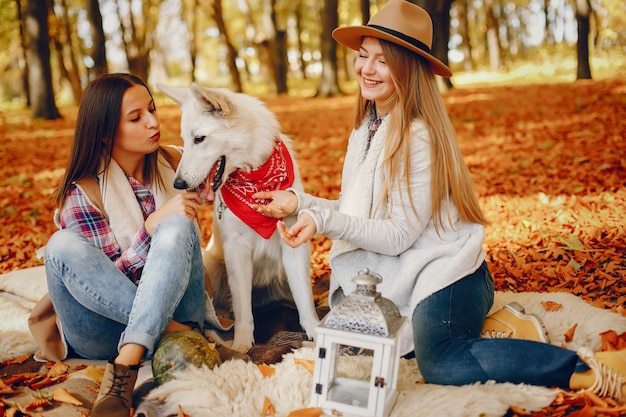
(538, 100)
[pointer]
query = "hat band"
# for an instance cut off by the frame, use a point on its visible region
(418, 44)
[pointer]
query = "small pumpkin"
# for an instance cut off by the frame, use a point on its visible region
(180, 349)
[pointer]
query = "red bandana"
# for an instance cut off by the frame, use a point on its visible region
(276, 174)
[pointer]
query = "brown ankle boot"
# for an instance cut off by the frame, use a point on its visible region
(115, 398)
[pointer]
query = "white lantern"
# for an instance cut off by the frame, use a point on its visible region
(364, 328)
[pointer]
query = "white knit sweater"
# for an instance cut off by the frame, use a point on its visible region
(403, 248)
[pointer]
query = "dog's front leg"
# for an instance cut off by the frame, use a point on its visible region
(239, 270)
(296, 262)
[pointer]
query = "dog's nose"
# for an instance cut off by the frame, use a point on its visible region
(180, 184)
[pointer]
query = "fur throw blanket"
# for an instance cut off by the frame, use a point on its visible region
(239, 389)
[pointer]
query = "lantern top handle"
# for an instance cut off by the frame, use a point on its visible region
(366, 282)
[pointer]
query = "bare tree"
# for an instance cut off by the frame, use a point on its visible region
(232, 52)
(38, 56)
(98, 49)
(137, 26)
(64, 45)
(272, 39)
(279, 50)
(329, 85)
(365, 11)
(439, 11)
(298, 14)
(493, 43)
(549, 32)
(23, 43)
(583, 13)
(466, 44)
(189, 14)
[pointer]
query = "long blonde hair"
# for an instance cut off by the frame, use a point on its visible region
(417, 96)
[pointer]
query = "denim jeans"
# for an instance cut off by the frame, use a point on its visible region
(449, 350)
(100, 309)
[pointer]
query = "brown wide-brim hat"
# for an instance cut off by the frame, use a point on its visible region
(402, 23)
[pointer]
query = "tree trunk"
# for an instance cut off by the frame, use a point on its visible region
(439, 11)
(65, 50)
(365, 11)
(328, 85)
(493, 44)
(280, 53)
(190, 15)
(98, 50)
(583, 12)
(138, 38)
(38, 54)
(232, 52)
(303, 63)
(466, 44)
(549, 34)
(23, 43)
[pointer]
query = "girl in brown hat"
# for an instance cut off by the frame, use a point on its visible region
(408, 210)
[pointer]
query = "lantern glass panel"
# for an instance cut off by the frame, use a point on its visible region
(351, 382)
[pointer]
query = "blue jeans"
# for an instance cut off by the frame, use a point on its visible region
(100, 309)
(449, 350)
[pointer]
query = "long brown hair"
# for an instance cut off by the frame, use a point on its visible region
(417, 96)
(97, 123)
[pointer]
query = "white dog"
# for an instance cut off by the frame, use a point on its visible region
(236, 141)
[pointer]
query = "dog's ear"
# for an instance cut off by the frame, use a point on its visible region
(178, 94)
(212, 99)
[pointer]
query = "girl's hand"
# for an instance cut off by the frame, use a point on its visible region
(184, 203)
(282, 203)
(302, 231)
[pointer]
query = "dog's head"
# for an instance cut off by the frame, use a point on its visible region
(222, 131)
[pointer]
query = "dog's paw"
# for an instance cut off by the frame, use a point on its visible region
(242, 344)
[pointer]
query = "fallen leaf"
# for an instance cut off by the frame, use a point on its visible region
(58, 369)
(63, 396)
(181, 413)
(268, 407)
(569, 335)
(551, 305)
(95, 373)
(307, 363)
(306, 412)
(266, 370)
(38, 403)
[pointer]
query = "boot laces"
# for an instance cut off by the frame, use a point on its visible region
(494, 334)
(608, 381)
(117, 386)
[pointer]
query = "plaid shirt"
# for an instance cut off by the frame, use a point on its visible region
(80, 215)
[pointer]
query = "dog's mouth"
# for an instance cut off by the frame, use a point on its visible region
(217, 176)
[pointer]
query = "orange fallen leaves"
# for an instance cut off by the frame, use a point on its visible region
(307, 412)
(569, 335)
(611, 341)
(547, 162)
(56, 373)
(551, 305)
(62, 395)
(268, 407)
(266, 370)
(181, 413)
(308, 364)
